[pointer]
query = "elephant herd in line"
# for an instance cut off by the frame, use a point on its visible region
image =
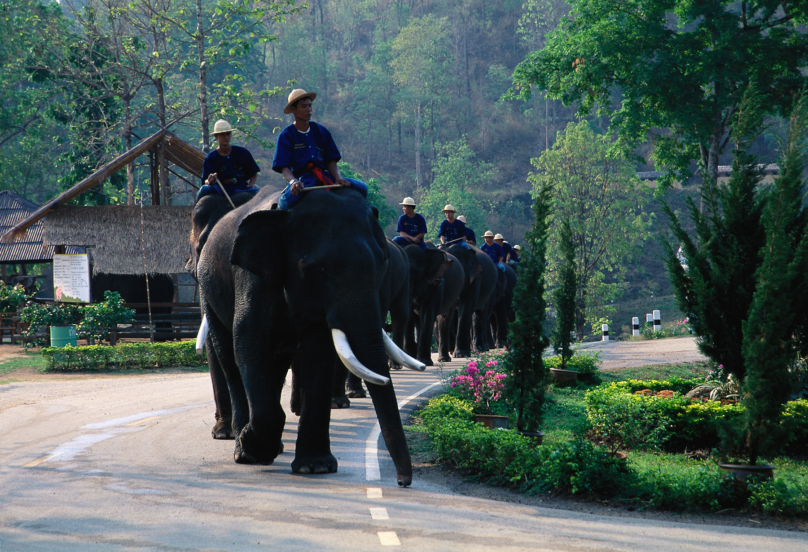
(309, 289)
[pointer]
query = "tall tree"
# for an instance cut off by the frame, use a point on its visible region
(715, 285)
(564, 295)
(457, 170)
(769, 345)
(420, 63)
(601, 196)
(674, 68)
(528, 375)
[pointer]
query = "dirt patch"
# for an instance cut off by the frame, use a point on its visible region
(425, 469)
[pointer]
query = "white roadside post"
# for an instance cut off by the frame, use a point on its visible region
(657, 321)
(605, 329)
(635, 326)
(649, 319)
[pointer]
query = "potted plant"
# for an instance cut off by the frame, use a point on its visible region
(528, 376)
(483, 388)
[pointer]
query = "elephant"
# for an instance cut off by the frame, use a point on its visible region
(466, 303)
(503, 309)
(492, 285)
(206, 213)
(300, 287)
(430, 270)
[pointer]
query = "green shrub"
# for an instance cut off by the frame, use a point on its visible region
(505, 457)
(586, 364)
(129, 355)
(778, 499)
(674, 423)
(11, 297)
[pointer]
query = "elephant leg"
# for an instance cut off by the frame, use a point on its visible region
(464, 321)
(338, 397)
(411, 345)
(353, 386)
(259, 441)
(222, 341)
(400, 317)
(314, 362)
(221, 396)
(443, 338)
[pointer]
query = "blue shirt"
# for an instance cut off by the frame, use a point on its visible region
(296, 149)
(506, 248)
(470, 235)
(411, 226)
(234, 170)
(494, 251)
(452, 230)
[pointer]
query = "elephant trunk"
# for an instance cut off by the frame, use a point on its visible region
(370, 350)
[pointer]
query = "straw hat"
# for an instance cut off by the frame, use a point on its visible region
(295, 95)
(517, 247)
(449, 208)
(408, 201)
(499, 237)
(221, 126)
(462, 218)
(488, 234)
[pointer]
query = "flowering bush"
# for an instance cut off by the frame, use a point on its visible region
(480, 383)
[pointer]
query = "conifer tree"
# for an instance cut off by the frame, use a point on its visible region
(769, 344)
(715, 290)
(527, 375)
(565, 295)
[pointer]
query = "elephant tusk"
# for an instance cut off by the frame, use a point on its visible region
(350, 361)
(202, 336)
(400, 356)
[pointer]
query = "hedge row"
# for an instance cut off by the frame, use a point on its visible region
(577, 467)
(505, 457)
(129, 355)
(672, 423)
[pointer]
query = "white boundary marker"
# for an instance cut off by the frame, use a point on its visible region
(372, 471)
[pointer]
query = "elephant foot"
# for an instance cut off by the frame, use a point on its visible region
(340, 402)
(462, 353)
(394, 365)
(253, 449)
(444, 358)
(356, 394)
(223, 429)
(309, 464)
(428, 360)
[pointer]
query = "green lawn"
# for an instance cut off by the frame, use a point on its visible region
(28, 361)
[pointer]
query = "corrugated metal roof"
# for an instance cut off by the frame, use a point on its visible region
(28, 249)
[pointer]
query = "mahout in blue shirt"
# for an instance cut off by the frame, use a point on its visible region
(296, 150)
(452, 230)
(494, 251)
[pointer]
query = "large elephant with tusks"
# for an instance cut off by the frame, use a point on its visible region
(300, 287)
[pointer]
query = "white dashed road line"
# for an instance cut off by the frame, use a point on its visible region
(389, 538)
(378, 513)
(374, 492)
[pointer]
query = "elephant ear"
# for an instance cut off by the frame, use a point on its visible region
(436, 264)
(259, 241)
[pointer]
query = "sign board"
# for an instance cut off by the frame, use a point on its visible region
(71, 278)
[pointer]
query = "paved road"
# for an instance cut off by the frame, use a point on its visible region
(127, 463)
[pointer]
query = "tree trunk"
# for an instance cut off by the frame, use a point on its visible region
(418, 180)
(203, 78)
(162, 164)
(130, 167)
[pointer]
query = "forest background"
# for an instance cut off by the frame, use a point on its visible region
(412, 90)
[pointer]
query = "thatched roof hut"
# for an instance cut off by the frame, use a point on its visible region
(116, 237)
(28, 248)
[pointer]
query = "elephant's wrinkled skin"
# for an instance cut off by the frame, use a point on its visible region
(503, 309)
(492, 287)
(274, 284)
